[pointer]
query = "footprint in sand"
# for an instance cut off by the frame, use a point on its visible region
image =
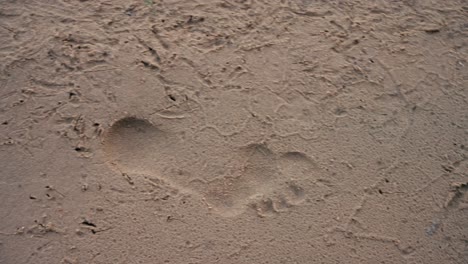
(230, 179)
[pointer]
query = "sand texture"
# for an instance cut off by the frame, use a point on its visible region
(243, 131)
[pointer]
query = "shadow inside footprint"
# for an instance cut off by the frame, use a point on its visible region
(131, 144)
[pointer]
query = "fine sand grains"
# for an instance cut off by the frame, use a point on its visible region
(233, 131)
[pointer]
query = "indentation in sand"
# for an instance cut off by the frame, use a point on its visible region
(228, 180)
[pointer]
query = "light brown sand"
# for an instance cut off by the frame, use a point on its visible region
(244, 131)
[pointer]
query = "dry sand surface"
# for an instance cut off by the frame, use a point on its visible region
(243, 131)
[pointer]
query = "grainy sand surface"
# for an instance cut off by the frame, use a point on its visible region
(244, 131)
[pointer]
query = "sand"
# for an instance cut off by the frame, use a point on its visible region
(244, 131)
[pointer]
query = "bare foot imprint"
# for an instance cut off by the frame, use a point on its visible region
(229, 180)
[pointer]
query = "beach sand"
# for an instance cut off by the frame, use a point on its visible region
(244, 131)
